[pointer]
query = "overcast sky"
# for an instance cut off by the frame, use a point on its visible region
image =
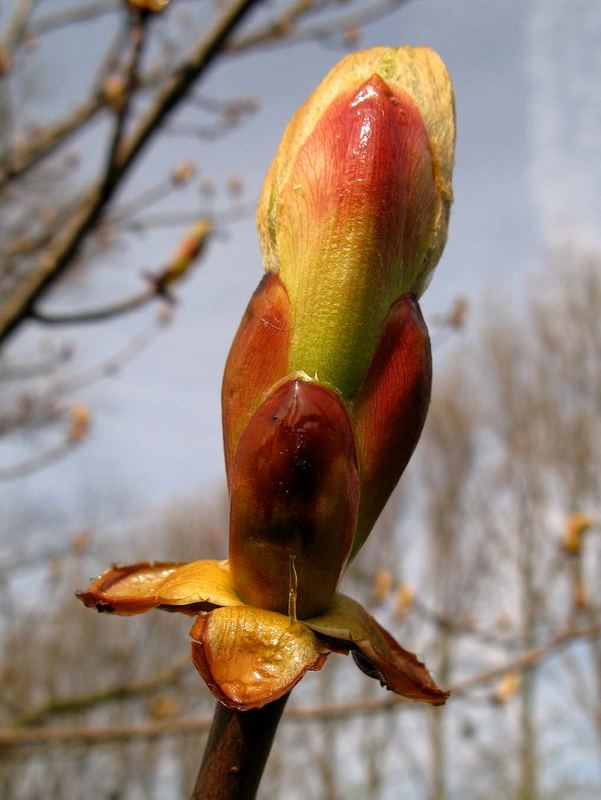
(527, 77)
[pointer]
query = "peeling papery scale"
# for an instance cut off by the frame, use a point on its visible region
(294, 500)
(249, 657)
(176, 587)
(380, 655)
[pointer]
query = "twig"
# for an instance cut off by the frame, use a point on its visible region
(69, 240)
(284, 32)
(102, 313)
(83, 702)
(169, 219)
(13, 32)
(18, 163)
(67, 16)
(338, 711)
(237, 751)
(38, 462)
(138, 24)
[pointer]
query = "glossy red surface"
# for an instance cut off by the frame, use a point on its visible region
(294, 499)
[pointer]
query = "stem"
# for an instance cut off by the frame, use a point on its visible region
(236, 752)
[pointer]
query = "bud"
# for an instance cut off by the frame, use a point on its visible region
(295, 498)
(325, 388)
(354, 210)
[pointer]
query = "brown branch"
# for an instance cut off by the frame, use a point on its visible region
(16, 164)
(112, 694)
(280, 28)
(236, 752)
(27, 156)
(138, 23)
(102, 313)
(159, 284)
(169, 219)
(338, 711)
(60, 255)
(72, 14)
(13, 32)
(283, 31)
(40, 461)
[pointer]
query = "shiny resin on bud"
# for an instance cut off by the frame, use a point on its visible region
(258, 359)
(354, 210)
(294, 499)
(355, 218)
(391, 408)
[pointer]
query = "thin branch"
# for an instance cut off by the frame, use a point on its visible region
(13, 32)
(112, 694)
(70, 239)
(168, 219)
(40, 461)
(284, 31)
(139, 23)
(15, 164)
(159, 284)
(67, 16)
(35, 369)
(103, 313)
(336, 711)
(236, 752)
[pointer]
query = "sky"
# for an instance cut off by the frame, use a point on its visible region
(527, 78)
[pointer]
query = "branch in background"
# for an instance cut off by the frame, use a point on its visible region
(17, 163)
(103, 313)
(283, 30)
(69, 240)
(79, 421)
(186, 253)
(168, 219)
(81, 543)
(67, 16)
(138, 22)
(83, 702)
(13, 32)
(35, 369)
(184, 726)
(279, 31)
(44, 409)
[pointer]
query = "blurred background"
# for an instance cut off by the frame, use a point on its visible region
(132, 152)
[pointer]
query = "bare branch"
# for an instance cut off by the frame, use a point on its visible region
(13, 32)
(67, 16)
(112, 694)
(103, 313)
(38, 462)
(68, 242)
(185, 726)
(138, 24)
(284, 31)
